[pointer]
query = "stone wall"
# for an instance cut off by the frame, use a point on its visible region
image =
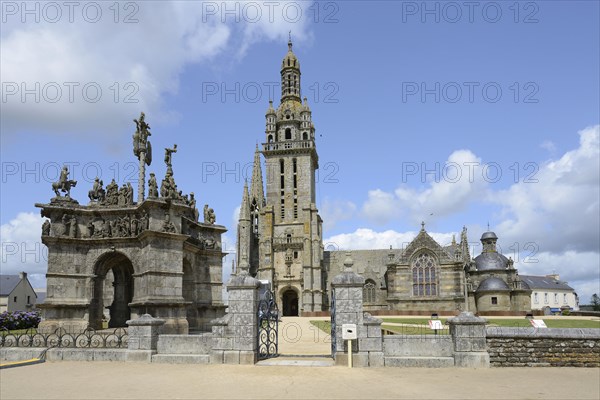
(551, 347)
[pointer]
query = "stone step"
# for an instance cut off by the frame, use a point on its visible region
(298, 361)
(184, 344)
(180, 359)
(419, 362)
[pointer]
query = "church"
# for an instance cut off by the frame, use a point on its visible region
(280, 237)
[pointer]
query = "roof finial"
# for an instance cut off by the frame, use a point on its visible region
(290, 40)
(488, 226)
(422, 225)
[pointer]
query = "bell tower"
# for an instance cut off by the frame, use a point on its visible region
(289, 229)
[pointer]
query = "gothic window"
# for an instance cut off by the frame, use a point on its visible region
(305, 136)
(270, 139)
(424, 275)
(369, 291)
(288, 133)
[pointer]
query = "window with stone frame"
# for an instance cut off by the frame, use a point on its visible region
(424, 270)
(369, 291)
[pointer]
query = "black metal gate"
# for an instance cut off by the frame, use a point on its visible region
(333, 336)
(268, 321)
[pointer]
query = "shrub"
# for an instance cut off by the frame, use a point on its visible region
(19, 320)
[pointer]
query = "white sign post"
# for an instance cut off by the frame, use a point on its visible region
(349, 334)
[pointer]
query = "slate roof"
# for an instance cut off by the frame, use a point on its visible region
(544, 282)
(8, 283)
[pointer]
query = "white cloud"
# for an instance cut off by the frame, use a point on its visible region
(334, 211)
(144, 59)
(363, 239)
(451, 188)
(22, 249)
(548, 145)
(561, 211)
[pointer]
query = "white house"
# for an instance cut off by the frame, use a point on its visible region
(16, 293)
(549, 292)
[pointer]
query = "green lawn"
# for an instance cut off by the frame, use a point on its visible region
(511, 322)
(325, 326)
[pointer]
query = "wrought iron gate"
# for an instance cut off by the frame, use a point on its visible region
(333, 336)
(268, 321)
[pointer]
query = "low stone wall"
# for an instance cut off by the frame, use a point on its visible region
(422, 346)
(63, 354)
(550, 347)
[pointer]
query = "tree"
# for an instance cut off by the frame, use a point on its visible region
(595, 302)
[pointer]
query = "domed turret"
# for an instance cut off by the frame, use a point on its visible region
(492, 285)
(490, 259)
(290, 76)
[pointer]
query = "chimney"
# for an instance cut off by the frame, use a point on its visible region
(23, 275)
(554, 276)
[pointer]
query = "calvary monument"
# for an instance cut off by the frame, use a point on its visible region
(116, 259)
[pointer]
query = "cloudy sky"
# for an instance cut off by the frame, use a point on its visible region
(444, 112)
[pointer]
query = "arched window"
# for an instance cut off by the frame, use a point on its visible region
(288, 133)
(270, 138)
(424, 275)
(305, 136)
(369, 291)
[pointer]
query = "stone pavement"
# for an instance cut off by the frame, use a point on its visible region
(106, 380)
(297, 336)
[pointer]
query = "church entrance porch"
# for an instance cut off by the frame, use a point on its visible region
(290, 303)
(112, 292)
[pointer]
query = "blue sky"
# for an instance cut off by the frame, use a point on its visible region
(423, 111)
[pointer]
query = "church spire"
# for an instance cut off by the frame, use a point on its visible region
(257, 193)
(290, 76)
(245, 207)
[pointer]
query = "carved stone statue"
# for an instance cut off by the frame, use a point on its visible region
(46, 228)
(212, 218)
(97, 193)
(90, 229)
(169, 157)
(112, 193)
(206, 214)
(129, 194)
(152, 186)
(140, 139)
(66, 224)
(168, 225)
(64, 184)
(192, 204)
(73, 227)
(144, 221)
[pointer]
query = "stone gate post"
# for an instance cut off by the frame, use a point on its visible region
(468, 336)
(347, 289)
(236, 335)
(143, 337)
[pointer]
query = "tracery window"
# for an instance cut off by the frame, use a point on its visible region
(424, 275)
(369, 291)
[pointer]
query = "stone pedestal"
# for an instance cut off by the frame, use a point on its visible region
(468, 336)
(143, 337)
(234, 336)
(347, 289)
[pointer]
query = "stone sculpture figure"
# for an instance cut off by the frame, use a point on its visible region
(46, 228)
(168, 225)
(64, 184)
(192, 204)
(144, 222)
(206, 214)
(73, 227)
(134, 226)
(212, 218)
(129, 194)
(122, 199)
(90, 229)
(97, 193)
(106, 228)
(152, 186)
(66, 224)
(169, 157)
(112, 193)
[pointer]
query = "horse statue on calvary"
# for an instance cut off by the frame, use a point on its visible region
(64, 184)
